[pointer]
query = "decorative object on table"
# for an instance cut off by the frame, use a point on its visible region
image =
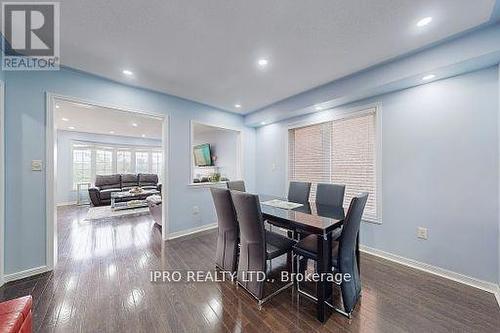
(215, 177)
(204, 180)
(196, 180)
(282, 204)
(224, 179)
(136, 190)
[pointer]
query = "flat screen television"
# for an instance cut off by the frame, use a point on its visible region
(202, 155)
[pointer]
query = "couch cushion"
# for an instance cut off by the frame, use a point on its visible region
(148, 179)
(106, 194)
(130, 180)
(108, 181)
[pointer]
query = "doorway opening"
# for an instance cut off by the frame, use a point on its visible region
(107, 162)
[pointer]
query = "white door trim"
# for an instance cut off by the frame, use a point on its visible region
(2, 183)
(51, 168)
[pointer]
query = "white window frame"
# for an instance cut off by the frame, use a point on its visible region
(114, 148)
(345, 113)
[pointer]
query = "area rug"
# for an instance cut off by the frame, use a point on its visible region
(104, 212)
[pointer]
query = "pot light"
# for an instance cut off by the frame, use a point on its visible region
(134, 125)
(263, 123)
(423, 22)
(57, 106)
(144, 135)
(428, 77)
(64, 119)
(71, 127)
(318, 108)
(127, 72)
(262, 62)
(111, 132)
(237, 106)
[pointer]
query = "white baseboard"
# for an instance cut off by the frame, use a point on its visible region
(69, 203)
(447, 274)
(191, 231)
(26, 273)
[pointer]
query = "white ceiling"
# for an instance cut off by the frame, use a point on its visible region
(207, 50)
(92, 119)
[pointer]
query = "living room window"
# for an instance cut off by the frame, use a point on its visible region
(91, 159)
(142, 162)
(156, 163)
(82, 165)
(123, 161)
(104, 162)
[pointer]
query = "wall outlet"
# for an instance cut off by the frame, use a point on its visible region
(196, 210)
(422, 233)
(36, 165)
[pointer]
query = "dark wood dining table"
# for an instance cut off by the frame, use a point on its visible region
(311, 218)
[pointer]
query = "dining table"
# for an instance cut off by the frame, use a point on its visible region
(309, 218)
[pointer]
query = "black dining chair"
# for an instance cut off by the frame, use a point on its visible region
(299, 192)
(343, 257)
(236, 185)
(331, 195)
(257, 246)
(226, 255)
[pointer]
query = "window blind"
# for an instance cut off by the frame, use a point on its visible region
(309, 151)
(353, 159)
(340, 152)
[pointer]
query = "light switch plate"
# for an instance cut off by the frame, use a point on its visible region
(36, 165)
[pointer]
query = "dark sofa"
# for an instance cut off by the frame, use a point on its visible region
(100, 194)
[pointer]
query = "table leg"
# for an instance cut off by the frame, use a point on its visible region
(112, 203)
(324, 289)
(357, 254)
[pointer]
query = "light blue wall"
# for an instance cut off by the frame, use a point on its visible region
(64, 181)
(440, 170)
(25, 141)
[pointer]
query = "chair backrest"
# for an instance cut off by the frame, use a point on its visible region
(236, 185)
(227, 237)
(299, 192)
(330, 194)
(252, 240)
(351, 226)
(347, 259)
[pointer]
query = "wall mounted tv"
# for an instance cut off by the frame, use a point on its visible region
(202, 155)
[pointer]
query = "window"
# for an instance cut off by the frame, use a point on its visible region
(123, 161)
(141, 162)
(103, 162)
(342, 152)
(156, 163)
(81, 165)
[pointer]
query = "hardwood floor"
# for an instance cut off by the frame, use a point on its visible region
(102, 284)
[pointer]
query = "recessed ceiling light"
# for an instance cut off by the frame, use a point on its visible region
(428, 77)
(237, 106)
(57, 106)
(318, 108)
(64, 119)
(263, 123)
(262, 62)
(127, 72)
(423, 22)
(111, 132)
(134, 124)
(144, 135)
(71, 127)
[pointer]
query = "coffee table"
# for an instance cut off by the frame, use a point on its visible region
(127, 200)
